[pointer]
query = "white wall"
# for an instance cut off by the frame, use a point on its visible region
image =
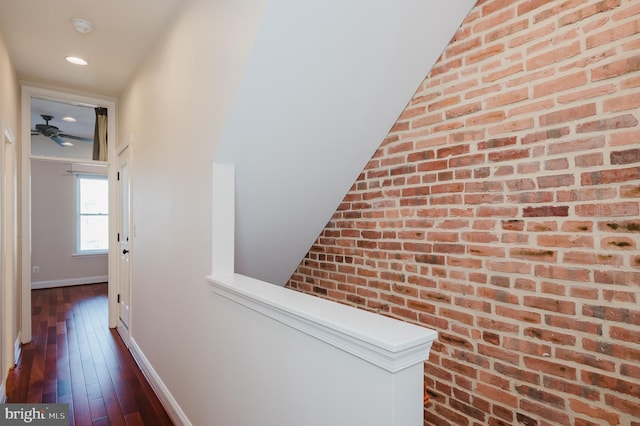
(53, 229)
(9, 101)
(174, 112)
(325, 83)
(320, 89)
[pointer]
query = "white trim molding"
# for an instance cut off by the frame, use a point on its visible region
(36, 285)
(385, 342)
(168, 401)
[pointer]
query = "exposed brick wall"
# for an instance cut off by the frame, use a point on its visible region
(503, 211)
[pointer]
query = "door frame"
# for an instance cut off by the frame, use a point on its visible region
(28, 92)
(8, 240)
(127, 152)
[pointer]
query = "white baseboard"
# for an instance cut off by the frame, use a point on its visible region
(35, 285)
(165, 397)
(16, 354)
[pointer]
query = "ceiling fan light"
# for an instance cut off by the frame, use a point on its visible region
(76, 60)
(81, 25)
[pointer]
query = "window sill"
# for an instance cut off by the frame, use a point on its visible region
(91, 254)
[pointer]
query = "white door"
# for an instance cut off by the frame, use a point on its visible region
(124, 238)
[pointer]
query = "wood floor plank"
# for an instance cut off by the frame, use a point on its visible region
(79, 387)
(75, 359)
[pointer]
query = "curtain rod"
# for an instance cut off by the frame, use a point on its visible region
(76, 172)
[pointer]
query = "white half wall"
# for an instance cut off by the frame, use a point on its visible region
(301, 360)
(325, 82)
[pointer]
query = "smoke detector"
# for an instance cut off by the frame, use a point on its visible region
(81, 25)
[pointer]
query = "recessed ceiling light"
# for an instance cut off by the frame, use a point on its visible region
(69, 119)
(75, 60)
(65, 143)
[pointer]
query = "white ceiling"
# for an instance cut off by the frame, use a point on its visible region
(39, 35)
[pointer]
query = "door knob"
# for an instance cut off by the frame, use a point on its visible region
(125, 251)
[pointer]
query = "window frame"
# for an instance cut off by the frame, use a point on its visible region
(79, 177)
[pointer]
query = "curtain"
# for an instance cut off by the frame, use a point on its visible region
(100, 135)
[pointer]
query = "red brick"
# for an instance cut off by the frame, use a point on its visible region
(626, 334)
(462, 47)
(625, 157)
(573, 324)
(631, 407)
(569, 241)
(552, 305)
(545, 135)
(496, 394)
(490, 117)
(593, 412)
(570, 114)
(615, 69)
(499, 74)
(627, 29)
(607, 210)
(608, 382)
(463, 110)
(512, 126)
(588, 92)
(579, 145)
(571, 388)
(444, 68)
(551, 368)
(507, 30)
(589, 160)
(563, 83)
(622, 103)
(529, 5)
(489, 52)
(556, 9)
(541, 395)
(553, 56)
(556, 416)
(586, 258)
(588, 360)
(531, 107)
(620, 122)
(585, 12)
(502, 99)
(546, 211)
(491, 18)
(518, 314)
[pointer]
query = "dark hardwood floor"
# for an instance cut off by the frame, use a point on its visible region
(75, 359)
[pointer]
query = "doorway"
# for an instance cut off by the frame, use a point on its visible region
(8, 254)
(52, 149)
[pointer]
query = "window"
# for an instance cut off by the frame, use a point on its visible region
(92, 214)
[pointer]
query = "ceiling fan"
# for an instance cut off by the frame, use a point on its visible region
(53, 133)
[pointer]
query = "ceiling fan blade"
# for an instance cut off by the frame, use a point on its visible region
(57, 139)
(78, 138)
